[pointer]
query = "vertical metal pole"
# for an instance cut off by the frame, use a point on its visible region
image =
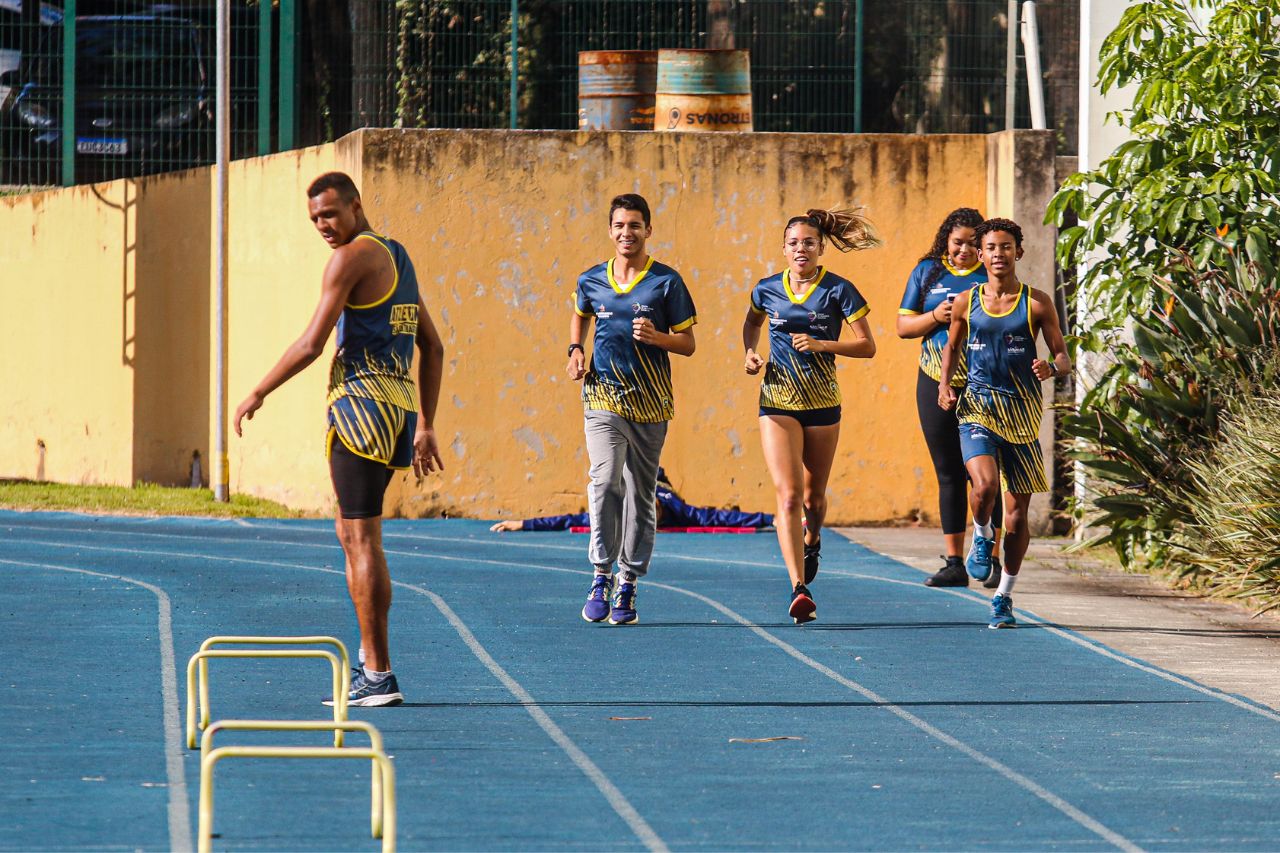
(1035, 78)
(1011, 65)
(68, 92)
(221, 474)
(264, 77)
(288, 58)
(515, 63)
(857, 67)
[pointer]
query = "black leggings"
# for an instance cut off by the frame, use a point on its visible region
(942, 435)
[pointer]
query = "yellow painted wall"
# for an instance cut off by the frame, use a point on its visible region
(501, 224)
(66, 334)
(119, 315)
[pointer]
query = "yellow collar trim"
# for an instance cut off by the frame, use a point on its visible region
(613, 282)
(1022, 289)
(786, 285)
(946, 263)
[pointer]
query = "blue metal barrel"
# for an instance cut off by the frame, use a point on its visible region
(703, 91)
(616, 89)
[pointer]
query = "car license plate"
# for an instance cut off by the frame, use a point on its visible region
(102, 146)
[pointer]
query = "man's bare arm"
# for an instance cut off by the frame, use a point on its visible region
(346, 268)
(426, 450)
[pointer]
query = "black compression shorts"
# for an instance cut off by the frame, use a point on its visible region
(359, 483)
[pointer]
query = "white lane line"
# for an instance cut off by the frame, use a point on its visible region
(1029, 617)
(178, 813)
(1085, 643)
(1007, 772)
(616, 799)
(1004, 770)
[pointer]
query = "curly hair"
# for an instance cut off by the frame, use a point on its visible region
(846, 228)
(1006, 225)
(961, 217)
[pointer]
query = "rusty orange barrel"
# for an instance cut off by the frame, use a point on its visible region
(615, 89)
(703, 91)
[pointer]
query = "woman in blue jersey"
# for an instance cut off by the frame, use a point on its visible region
(996, 324)
(805, 305)
(950, 268)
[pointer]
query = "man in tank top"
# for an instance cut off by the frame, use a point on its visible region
(378, 422)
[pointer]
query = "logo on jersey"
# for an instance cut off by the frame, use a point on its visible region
(1015, 344)
(603, 315)
(404, 319)
(975, 344)
(637, 308)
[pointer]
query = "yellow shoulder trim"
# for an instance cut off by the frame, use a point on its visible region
(395, 273)
(581, 313)
(859, 314)
(907, 312)
(614, 282)
(757, 310)
(1031, 323)
(680, 327)
(786, 285)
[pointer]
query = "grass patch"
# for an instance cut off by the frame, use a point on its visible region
(142, 499)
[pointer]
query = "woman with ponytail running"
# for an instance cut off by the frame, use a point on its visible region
(950, 268)
(805, 305)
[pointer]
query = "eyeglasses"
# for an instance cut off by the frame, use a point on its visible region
(802, 244)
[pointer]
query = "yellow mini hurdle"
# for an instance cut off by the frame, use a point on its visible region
(197, 669)
(208, 762)
(380, 803)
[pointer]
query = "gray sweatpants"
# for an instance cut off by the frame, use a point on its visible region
(624, 475)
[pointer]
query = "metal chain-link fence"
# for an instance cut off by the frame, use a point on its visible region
(139, 83)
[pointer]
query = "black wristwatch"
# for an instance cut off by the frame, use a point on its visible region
(573, 347)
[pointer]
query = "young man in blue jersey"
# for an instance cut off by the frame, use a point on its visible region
(1002, 403)
(370, 293)
(642, 311)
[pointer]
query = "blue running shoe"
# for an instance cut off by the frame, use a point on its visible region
(624, 605)
(1002, 612)
(978, 562)
(803, 609)
(597, 607)
(366, 694)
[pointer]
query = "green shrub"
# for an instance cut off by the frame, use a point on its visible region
(1233, 536)
(1215, 335)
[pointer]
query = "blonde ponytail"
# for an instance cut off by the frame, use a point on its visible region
(846, 228)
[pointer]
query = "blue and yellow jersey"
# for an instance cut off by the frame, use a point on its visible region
(794, 380)
(626, 377)
(374, 360)
(933, 282)
(1002, 394)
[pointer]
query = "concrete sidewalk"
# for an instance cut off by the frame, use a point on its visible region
(1216, 643)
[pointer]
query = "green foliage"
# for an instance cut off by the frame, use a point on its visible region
(1178, 235)
(1204, 157)
(1233, 536)
(1159, 403)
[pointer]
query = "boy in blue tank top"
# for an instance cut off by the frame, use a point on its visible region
(378, 422)
(996, 324)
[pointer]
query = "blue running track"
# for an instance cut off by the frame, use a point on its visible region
(896, 721)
